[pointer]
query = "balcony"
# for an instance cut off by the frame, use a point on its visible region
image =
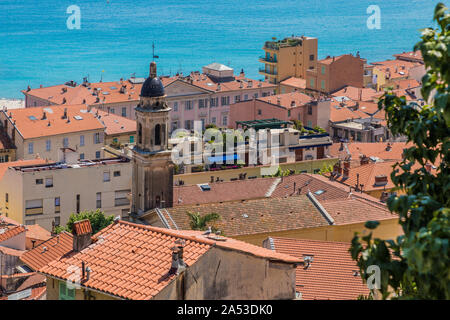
(264, 59)
(33, 211)
(267, 72)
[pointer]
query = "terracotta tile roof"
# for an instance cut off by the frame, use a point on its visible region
(11, 252)
(32, 281)
(414, 56)
(356, 209)
(57, 94)
(331, 274)
(36, 232)
(369, 149)
(406, 84)
(55, 248)
(8, 233)
(330, 60)
(132, 261)
(395, 68)
(19, 163)
(306, 183)
(82, 227)
(29, 128)
(222, 191)
(366, 174)
(255, 216)
(115, 124)
(356, 94)
(294, 82)
(112, 92)
(287, 98)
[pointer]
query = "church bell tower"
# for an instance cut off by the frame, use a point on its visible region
(152, 185)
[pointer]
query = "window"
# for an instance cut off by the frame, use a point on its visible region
(131, 139)
(175, 106)
(310, 109)
(213, 120)
(116, 173)
(6, 197)
(309, 123)
(112, 110)
(115, 140)
(98, 200)
(81, 156)
(214, 102)
(188, 124)
(97, 137)
(39, 181)
(57, 205)
(224, 120)
(97, 154)
(78, 203)
(30, 148)
(49, 182)
(106, 176)
(33, 207)
(311, 57)
(188, 105)
(259, 112)
(121, 198)
(57, 221)
(30, 222)
(255, 95)
(358, 136)
(124, 111)
(81, 140)
(66, 293)
(202, 103)
(48, 145)
(311, 82)
(289, 113)
(322, 84)
(65, 142)
(237, 99)
(246, 97)
(323, 69)
(225, 101)
(158, 135)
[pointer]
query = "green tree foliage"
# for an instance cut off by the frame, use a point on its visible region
(416, 265)
(199, 222)
(97, 218)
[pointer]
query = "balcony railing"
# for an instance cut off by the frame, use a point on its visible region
(33, 211)
(262, 70)
(265, 59)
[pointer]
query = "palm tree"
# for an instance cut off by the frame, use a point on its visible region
(198, 222)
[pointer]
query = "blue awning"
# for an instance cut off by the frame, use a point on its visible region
(224, 158)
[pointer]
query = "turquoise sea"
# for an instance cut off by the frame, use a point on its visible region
(116, 36)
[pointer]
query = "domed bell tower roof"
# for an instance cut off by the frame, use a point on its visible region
(153, 86)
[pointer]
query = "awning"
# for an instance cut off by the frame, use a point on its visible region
(223, 158)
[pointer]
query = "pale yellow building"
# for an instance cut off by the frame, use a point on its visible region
(45, 131)
(290, 57)
(37, 192)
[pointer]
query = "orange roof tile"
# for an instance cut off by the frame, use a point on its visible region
(8, 233)
(115, 124)
(294, 82)
(139, 267)
(82, 227)
(395, 68)
(285, 100)
(414, 56)
(53, 124)
(11, 252)
(357, 94)
(255, 216)
(331, 274)
(369, 149)
(55, 248)
(35, 231)
(57, 94)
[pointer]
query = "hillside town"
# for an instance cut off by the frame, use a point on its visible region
(216, 185)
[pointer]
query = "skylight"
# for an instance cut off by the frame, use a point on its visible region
(319, 192)
(205, 187)
(32, 118)
(78, 117)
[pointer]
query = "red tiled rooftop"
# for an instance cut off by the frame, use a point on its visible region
(36, 232)
(8, 233)
(82, 227)
(415, 56)
(39, 127)
(115, 124)
(356, 94)
(132, 261)
(285, 100)
(331, 274)
(294, 82)
(56, 247)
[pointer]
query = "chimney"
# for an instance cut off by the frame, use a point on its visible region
(346, 164)
(44, 116)
(178, 264)
(250, 83)
(278, 101)
(339, 168)
(364, 160)
(381, 180)
(241, 85)
(292, 104)
(82, 232)
(428, 167)
(335, 168)
(346, 172)
(64, 100)
(388, 146)
(65, 114)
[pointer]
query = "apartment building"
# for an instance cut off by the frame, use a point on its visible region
(290, 57)
(46, 132)
(40, 192)
(334, 73)
(287, 107)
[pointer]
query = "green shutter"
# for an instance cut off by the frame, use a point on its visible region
(131, 139)
(66, 293)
